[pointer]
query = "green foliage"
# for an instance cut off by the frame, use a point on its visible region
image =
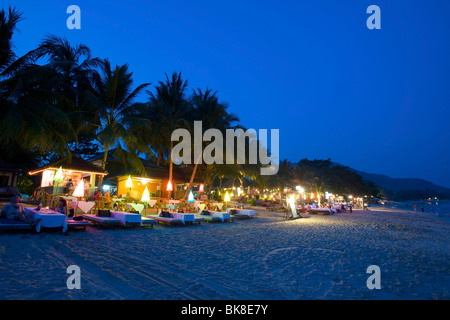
(251, 201)
(25, 185)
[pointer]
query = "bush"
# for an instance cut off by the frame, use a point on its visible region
(251, 202)
(25, 185)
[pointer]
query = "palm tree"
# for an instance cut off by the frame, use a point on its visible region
(8, 24)
(169, 110)
(117, 112)
(212, 114)
(30, 117)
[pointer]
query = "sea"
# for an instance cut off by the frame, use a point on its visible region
(440, 208)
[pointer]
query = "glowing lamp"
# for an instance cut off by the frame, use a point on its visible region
(202, 188)
(169, 186)
(227, 197)
(145, 195)
(129, 183)
(191, 197)
(58, 175)
(79, 190)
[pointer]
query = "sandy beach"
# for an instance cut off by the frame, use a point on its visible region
(319, 257)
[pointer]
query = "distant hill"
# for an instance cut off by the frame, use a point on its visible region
(406, 188)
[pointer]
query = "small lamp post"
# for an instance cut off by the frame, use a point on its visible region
(129, 184)
(145, 198)
(79, 193)
(58, 178)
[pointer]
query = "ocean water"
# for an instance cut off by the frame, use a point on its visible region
(441, 208)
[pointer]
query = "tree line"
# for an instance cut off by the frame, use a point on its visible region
(58, 100)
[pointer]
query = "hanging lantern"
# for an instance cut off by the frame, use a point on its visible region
(201, 189)
(227, 197)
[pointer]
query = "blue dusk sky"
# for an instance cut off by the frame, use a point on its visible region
(374, 100)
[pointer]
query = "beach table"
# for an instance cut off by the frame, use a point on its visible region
(246, 213)
(49, 219)
(127, 218)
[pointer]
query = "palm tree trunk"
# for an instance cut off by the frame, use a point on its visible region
(170, 169)
(192, 177)
(105, 158)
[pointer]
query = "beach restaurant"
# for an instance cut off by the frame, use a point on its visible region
(62, 176)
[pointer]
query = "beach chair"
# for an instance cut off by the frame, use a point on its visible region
(146, 221)
(214, 216)
(242, 213)
(167, 218)
(7, 224)
(76, 222)
(170, 218)
(319, 211)
(103, 218)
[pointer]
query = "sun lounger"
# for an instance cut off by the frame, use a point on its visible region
(77, 224)
(214, 216)
(320, 211)
(146, 221)
(102, 220)
(172, 218)
(242, 213)
(7, 224)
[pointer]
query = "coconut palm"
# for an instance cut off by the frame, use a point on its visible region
(214, 115)
(8, 24)
(118, 112)
(30, 118)
(168, 109)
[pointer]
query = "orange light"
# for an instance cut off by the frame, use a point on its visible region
(169, 186)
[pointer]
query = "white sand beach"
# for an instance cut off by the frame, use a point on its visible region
(319, 257)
